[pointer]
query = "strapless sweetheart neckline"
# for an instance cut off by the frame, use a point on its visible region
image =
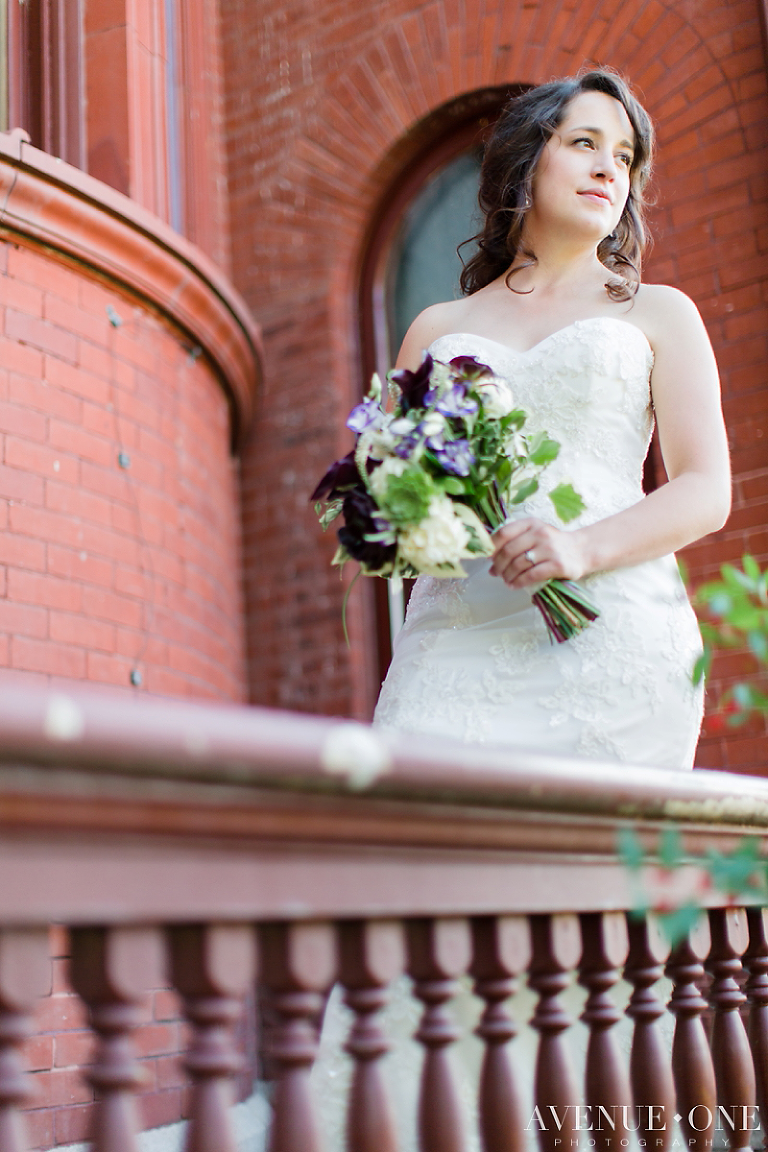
(552, 335)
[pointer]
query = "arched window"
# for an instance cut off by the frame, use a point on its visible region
(429, 208)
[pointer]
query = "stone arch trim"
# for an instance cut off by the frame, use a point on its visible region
(353, 142)
(52, 206)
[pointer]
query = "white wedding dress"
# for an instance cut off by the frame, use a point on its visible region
(474, 662)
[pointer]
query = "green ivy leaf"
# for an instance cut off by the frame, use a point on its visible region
(567, 502)
(701, 667)
(670, 848)
(740, 872)
(630, 848)
(678, 923)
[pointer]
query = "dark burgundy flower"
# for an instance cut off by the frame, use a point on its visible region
(360, 520)
(413, 385)
(340, 477)
(470, 368)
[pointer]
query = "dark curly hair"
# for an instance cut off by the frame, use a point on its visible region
(511, 156)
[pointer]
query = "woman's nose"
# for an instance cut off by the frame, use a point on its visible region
(605, 165)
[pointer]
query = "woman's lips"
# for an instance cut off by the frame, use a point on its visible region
(597, 197)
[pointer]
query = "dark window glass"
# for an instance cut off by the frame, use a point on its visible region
(425, 266)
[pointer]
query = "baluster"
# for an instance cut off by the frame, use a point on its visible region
(691, 1058)
(438, 951)
(372, 954)
(734, 1074)
(212, 967)
(556, 951)
(112, 969)
(756, 957)
(650, 1068)
(299, 963)
(606, 943)
(502, 950)
(25, 974)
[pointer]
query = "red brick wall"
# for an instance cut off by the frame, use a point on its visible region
(105, 569)
(319, 101)
(60, 1110)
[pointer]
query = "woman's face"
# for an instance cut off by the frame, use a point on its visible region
(582, 179)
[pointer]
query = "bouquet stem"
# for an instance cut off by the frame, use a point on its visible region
(565, 608)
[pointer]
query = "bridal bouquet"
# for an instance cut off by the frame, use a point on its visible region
(427, 483)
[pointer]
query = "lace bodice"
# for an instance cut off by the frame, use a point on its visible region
(588, 386)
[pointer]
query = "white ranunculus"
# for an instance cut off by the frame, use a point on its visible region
(496, 396)
(433, 424)
(379, 478)
(439, 539)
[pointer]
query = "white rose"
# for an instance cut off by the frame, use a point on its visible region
(496, 396)
(439, 539)
(379, 478)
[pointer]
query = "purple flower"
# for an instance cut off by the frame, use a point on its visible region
(363, 416)
(435, 442)
(360, 520)
(340, 477)
(457, 457)
(413, 385)
(406, 447)
(455, 402)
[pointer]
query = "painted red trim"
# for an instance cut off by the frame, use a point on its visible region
(47, 203)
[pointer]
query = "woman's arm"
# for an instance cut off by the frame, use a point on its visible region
(694, 502)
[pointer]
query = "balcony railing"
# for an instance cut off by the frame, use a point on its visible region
(228, 846)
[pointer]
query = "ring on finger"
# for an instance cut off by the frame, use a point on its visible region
(529, 556)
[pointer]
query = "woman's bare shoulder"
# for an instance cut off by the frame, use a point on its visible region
(437, 320)
(665, 314)
(660, 302)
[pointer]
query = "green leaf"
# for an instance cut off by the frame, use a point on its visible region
(677, 924)
(745, 618)
(751, 567)
(524, 490)
(544, 450)
(670, 848)
(758, 643)
(740, 872)
(742, 694)
(721, 603)
(567, 502)
(452, 485)
(630, 848)
(701, 667)
(504, 471)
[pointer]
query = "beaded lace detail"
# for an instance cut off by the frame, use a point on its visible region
(474, 661)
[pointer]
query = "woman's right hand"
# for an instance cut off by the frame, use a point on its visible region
(529, 552)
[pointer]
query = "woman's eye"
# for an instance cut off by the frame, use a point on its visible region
(625, 159)
(585, 140)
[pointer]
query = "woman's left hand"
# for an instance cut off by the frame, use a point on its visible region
(530, 552)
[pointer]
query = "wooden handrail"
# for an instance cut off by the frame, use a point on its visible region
(223, 841)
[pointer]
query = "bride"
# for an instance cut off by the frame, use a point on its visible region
(553, 302)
